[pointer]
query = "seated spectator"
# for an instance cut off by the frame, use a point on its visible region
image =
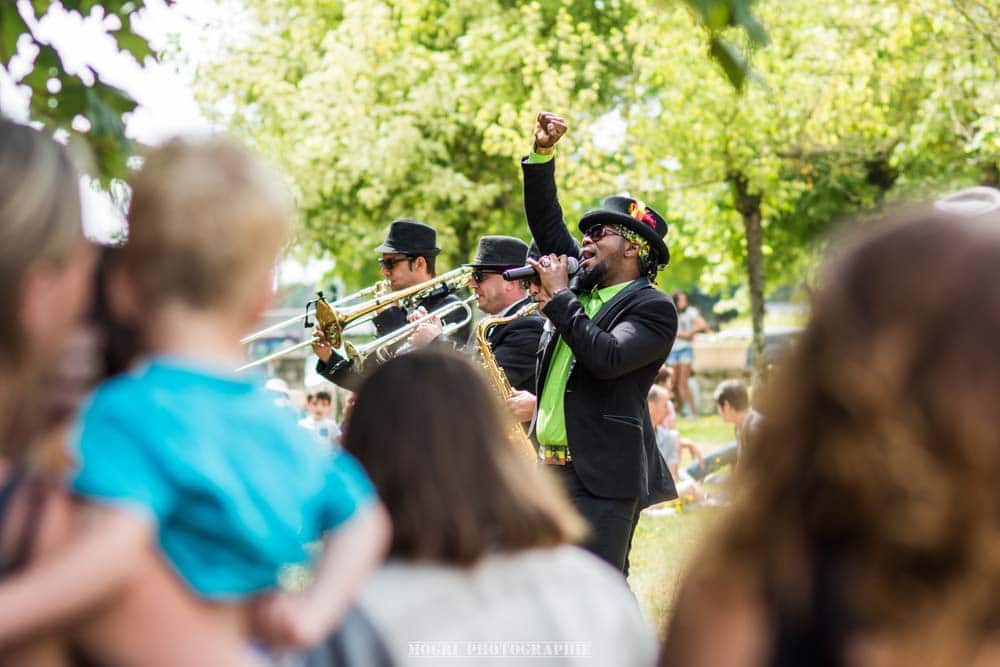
(183, 454)
(866, 530)
(733, 403)
(671, 445)
(481, 547)
(318, 420)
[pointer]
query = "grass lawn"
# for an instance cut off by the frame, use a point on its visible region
(664, 542)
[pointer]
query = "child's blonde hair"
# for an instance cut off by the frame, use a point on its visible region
(207, 220)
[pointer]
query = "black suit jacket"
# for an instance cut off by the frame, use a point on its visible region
(515, 346)
(615, 359)
(346, 373)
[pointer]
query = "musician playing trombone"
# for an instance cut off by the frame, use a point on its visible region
(408, 258)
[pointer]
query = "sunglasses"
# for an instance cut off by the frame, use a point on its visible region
(599, 231)
(479, 275)
(388, 263)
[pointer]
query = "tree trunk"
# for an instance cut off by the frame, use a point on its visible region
(991, 175)
(748, 205)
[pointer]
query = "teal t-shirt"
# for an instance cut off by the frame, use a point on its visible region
(235, 487)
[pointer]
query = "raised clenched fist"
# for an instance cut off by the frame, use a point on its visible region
(548, 130)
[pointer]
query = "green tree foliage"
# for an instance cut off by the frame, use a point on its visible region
(853, 103)
(87, 108)
(418, 108)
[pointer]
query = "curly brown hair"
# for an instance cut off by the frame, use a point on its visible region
(877, 470)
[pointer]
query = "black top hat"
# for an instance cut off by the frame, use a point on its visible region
(634, 215)
(410, 237)
(500, 252)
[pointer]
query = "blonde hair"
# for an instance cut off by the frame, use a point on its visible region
(207, 219)
(39, 217)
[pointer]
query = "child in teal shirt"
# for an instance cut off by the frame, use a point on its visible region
(182, 453)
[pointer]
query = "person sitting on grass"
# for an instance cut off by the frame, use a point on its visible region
(180, 452)
(733, 403)
(671, 445)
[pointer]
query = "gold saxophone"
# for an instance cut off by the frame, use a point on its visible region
(498, 377)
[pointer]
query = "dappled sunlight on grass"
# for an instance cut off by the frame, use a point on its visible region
(661, 549)
(665, 541)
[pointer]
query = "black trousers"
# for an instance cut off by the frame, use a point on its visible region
(612, 520)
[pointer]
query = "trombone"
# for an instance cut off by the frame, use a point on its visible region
(382, 346)
(334, 322)
(381, 287)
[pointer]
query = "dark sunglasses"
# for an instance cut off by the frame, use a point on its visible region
(388, 263)
(599, 231)
(479, 275)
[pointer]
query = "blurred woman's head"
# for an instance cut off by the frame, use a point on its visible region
(434, 440)
(881, 452)
(680, 300)
(45, 262)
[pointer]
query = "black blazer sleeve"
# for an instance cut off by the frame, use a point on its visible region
(544, 214)
(643, 334)
(344, 372)
(515, 348)
(389, 320)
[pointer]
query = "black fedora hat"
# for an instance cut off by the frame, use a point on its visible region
(499, 252)
(410, 237)
(632, 214)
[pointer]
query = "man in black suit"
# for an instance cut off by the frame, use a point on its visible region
(409, 255)
(604, 342)
(514, 344)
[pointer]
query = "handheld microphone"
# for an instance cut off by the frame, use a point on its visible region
(572, 266)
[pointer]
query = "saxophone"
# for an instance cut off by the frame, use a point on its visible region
(519, 438)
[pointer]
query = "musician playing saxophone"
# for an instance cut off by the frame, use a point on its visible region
(408, 258)
(515, 343)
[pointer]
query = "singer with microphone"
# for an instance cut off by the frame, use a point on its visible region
(605, 338)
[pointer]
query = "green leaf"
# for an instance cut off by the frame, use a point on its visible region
(715, 14)
(48, 61)
(72, 98)
(743, 17)
(12, 26)
(136, 45)
(41, 6)
(114, 98)
(732, 61)
(84, 6)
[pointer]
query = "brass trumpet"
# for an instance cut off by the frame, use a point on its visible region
(382, 346)
(334, 322)
(381, 287)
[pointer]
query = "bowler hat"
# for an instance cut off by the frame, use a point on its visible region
(632, 214)
(410, 237)
(499, 252)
